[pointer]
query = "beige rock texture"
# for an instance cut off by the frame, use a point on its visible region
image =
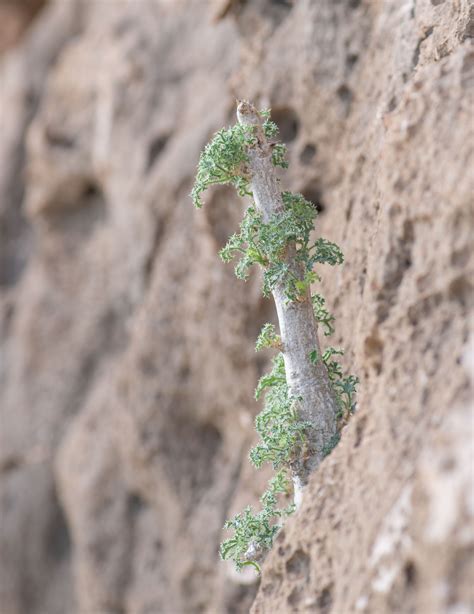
(127, 362)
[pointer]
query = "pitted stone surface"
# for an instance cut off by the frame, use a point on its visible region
(127, 365)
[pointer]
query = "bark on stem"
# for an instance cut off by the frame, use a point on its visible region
(298, 327)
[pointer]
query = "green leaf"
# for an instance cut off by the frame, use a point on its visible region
(268, 338)
(223, 161)
(322, 315)
(279, 155)
(270, 129)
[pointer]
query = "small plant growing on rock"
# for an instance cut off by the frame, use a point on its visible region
(307, 397)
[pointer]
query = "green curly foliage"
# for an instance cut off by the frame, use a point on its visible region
(282, 435)
(322, 315)
(245, 244)
(279, 152)
(255, 532)
(270, 129)
(281, 432)
(303, 215)
(266, 243)
(278, 485)
(252, 531)
(326, 252)
(223, 161)
(344, 386)
(276, 379)
(268, 338)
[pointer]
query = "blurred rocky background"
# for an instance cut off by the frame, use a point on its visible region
(127, 365)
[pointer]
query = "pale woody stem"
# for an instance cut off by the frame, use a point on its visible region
(298, 327)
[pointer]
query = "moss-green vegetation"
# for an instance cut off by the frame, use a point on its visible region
(282, 433)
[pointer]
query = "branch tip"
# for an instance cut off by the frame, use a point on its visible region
(247, 113)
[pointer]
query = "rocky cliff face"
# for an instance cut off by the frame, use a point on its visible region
(127, 365)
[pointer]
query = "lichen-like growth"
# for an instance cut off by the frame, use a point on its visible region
(283, 434)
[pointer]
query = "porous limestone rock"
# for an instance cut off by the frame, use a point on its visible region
(127, 364)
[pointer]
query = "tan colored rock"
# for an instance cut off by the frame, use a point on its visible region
(15, 17)
(403, 214)
(127, 365)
